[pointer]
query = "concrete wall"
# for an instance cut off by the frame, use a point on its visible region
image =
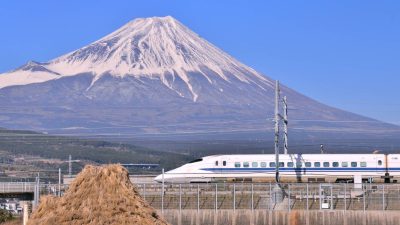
(263, 217)
(136, 179)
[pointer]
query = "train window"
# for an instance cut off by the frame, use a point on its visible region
(379, 162)
(363, 164)
(263, 164)
(299, 164)
(307, 164)
(254, 164)
(353, 164)
(216, 163)
(326, 164)
(345, 164)
(246, 164)
(224, 163)
(237, 164)
(290, 164)
(272, 164)
(335, 164)
(281, 164)
(317, 164)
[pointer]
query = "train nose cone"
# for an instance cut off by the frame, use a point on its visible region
(158, 179)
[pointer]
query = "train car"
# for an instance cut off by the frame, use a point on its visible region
(320, 168)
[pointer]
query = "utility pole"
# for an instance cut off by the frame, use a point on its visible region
(285, 124)
(59, 182)
(36, 194)
(70, 165)
(277, 191)
(70, 161)
(277, 117)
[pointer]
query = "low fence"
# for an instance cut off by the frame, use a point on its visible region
(251, 196)
(255, 196)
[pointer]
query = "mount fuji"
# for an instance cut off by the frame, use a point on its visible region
(154, 76)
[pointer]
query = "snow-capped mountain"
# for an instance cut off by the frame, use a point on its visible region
(153, 75)
(152, 47)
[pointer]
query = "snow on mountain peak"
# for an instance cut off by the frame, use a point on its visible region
(153, 46)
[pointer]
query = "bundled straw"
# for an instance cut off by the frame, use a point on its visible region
(98, 195)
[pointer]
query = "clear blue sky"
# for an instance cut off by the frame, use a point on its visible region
(342, 53)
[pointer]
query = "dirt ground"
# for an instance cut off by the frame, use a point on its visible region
(17, 221)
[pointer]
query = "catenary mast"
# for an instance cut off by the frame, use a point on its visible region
(277, 131)
(285, 125)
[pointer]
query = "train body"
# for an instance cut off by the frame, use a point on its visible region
(321, 168)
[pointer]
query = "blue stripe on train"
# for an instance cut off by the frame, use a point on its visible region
(310, 169)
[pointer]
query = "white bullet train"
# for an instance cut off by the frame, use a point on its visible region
(320, 168)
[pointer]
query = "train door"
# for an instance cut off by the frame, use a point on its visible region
(378, 164)
(220, 171)
(383, 165)
(299, 167)
(220, 165)
(392, 165)
(217, 165)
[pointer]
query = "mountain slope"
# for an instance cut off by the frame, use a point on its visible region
(155, 76)
(30, 73)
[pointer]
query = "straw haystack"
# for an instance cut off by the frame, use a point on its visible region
(98, 195)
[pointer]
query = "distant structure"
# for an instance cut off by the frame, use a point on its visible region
(141, 165)
(70, 161)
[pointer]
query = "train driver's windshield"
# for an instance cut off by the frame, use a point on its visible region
(196, 160)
